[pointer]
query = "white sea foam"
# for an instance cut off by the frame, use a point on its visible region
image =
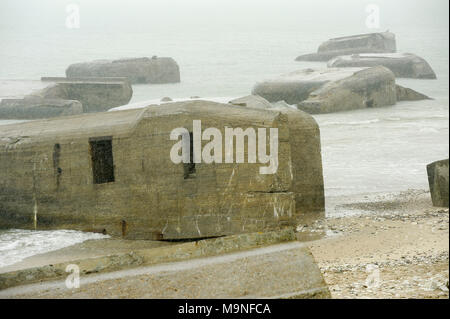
(18, 244)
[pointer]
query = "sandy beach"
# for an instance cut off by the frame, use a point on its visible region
(388, 246)
(400, 236)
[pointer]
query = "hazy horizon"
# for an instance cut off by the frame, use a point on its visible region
(137, 15)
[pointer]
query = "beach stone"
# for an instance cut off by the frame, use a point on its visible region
(166, 99)
(38, 108)
(438, 181)
(403, 65)
(332, 90)
(382, 42)
(137, 70)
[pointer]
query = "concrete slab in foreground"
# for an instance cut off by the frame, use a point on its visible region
(278, 271)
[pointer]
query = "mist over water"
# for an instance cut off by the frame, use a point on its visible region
(224, 47)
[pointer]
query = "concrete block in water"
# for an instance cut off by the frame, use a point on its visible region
(336, 89)
(95, 94)
(383, 42)
(37, 108)
(403, 65)
(137, 70)
(332, 90)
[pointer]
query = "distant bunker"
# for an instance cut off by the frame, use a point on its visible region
(336, 89)
(64, 96)
(155, 70)
(403, 65)
(111, 172)
(438, 181)
(382, 42)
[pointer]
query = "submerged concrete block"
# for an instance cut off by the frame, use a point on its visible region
(95, 94)
(367, 88)
(383, 42)
(64, 96)
(332, 90)
(403, 65)
(38, 108)
(137, 70)
(439, 183)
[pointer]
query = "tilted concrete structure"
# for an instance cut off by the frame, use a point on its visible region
(137, 70)
(111, 172)
(403, 65)
(37, 108)
(382, 42)
(95, 94)
(336, 89)
(63, 96)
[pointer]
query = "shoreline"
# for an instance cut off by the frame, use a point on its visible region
(394, 246)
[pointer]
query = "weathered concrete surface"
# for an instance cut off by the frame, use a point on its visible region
(253, 101)
(296, 86)
(95, 94)
(38, 108)
(332, 90)
(281, 271)
(306, 157)
(383, 42)
(137, 70)
(367, 88)
(438, 181)
(403, 65)
(407, 94)
(64, 96)
(51, 266)
(47, 180)
(336, 89)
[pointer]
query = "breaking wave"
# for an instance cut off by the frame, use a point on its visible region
(18, 244)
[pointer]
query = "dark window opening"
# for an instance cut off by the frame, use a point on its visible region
(124, 228)
(102, 160)
(56, 158)
(189, 168)
(369, 103)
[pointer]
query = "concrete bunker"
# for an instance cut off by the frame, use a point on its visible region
(112, 173)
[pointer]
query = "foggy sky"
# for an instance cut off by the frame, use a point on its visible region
(140, 15)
